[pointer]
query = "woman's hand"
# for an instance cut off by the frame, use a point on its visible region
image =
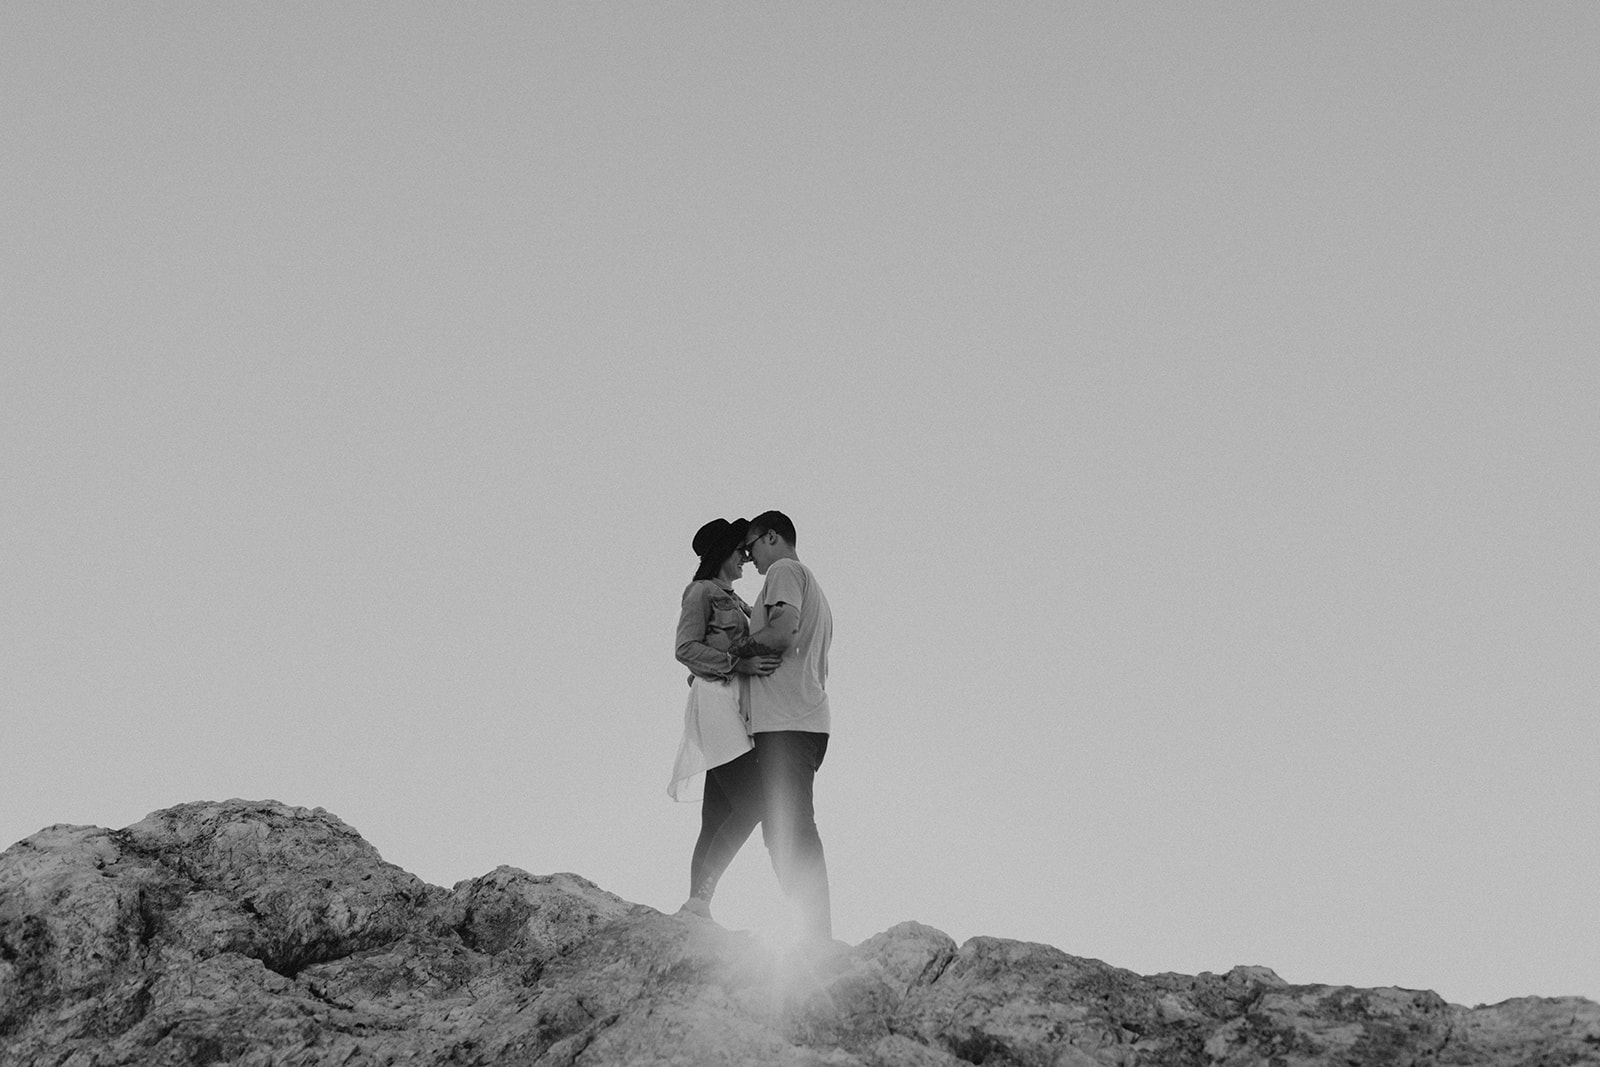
(758, 665)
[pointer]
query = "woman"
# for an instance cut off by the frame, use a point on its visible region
(716, 740)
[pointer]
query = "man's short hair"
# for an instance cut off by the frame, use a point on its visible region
(777, 522)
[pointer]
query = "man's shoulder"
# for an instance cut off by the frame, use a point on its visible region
(790, 572)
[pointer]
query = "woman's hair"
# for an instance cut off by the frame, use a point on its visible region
(708, 567)
(715, 542)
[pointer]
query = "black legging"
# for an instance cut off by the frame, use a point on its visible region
(731, 809)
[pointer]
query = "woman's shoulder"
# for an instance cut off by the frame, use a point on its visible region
(706, 588)
(716, 594)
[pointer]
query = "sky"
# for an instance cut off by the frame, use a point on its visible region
(1189, 411)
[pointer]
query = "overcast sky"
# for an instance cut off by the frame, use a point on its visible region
(1189, 410)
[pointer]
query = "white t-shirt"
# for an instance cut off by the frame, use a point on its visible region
(794, 697)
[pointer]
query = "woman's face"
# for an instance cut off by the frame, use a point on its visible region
(733, 566)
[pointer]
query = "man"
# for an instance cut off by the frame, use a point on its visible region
(789, 717)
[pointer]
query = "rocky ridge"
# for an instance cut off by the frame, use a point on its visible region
(255, 933)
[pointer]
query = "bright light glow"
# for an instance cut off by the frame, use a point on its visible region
(780, 930)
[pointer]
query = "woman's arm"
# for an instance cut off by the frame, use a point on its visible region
(692, 650)
(708, 661)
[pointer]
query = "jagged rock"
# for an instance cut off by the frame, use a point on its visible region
(260, 934)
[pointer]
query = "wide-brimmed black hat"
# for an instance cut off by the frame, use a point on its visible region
(717, 539)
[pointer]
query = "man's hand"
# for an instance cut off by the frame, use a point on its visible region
(760, 665)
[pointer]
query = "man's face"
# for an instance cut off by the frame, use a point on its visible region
(758, 546)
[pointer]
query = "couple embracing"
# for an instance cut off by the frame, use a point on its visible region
(757, 723)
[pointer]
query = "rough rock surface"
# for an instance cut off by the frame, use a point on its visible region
(255, 933)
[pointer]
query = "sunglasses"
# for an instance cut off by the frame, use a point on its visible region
(744, 549)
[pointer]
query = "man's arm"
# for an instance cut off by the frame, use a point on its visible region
(783, 595)
(781, 630)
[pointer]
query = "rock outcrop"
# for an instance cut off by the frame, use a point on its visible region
(256, 933)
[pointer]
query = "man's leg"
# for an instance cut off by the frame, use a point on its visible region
(789, 760)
